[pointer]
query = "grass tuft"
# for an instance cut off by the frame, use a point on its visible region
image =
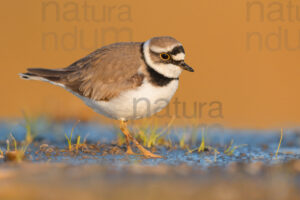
(18, 154)
(69, 139)
(151, 137)
(230, 149)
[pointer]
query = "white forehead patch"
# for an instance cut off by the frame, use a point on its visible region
(178, 57)
(157, 49)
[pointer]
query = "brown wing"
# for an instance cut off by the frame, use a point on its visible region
(101, 75)
(106, 72)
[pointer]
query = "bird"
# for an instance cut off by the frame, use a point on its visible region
(123, 81)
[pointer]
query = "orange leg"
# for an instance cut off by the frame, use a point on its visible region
(129, 137)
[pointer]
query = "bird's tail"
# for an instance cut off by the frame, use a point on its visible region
(54, 76)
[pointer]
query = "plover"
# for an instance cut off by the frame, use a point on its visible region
(123, 81)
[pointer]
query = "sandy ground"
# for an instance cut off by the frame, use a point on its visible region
(99, 169)
(64, 181)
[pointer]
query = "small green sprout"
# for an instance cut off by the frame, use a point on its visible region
(202, 146)
(14, 141)
(29, 137)
(7, 145)
(281, 136)
(30, 124)
(77, 143)
(150, 137)
(1, 153)
(230, 149)
(182, 142)
(189, 151)
(120, 138)
(69, 139)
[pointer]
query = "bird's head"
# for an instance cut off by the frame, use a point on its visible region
(166, 56)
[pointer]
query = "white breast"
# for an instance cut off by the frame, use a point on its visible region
(137, 103)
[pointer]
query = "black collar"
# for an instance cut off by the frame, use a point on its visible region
(155, 77)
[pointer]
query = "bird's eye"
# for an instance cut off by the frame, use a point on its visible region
(165, 56)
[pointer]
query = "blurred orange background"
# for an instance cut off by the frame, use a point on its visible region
(245, 54)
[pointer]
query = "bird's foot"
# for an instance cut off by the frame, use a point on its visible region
(129, 137)
(145, 152)
(129, 151)
(148, 154)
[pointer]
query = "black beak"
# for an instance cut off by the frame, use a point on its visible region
(184, 66)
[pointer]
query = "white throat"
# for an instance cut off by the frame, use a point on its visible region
(168, 70)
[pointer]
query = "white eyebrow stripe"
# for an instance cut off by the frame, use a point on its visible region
(157, 49)
(178, 57)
